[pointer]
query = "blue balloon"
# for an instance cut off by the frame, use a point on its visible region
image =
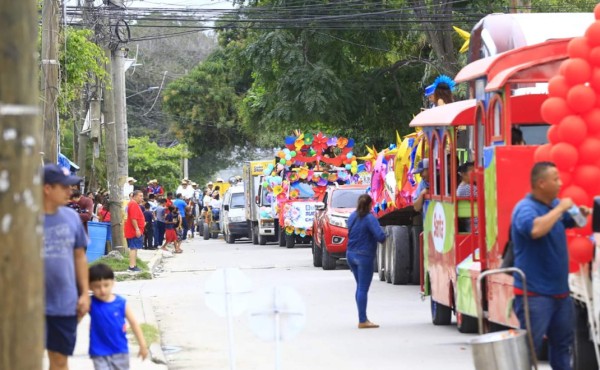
(350, 143)
(289, 140)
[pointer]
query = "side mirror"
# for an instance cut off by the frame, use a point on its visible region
(320, 206)
(226, 207)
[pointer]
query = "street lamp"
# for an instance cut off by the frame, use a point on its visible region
(151, 88)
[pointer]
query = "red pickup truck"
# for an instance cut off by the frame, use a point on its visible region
(330, 229)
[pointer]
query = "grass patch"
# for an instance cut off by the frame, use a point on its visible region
(144, 275)
(121, 265)
(150, 333)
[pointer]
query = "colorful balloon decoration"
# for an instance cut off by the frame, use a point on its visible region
(573, 108)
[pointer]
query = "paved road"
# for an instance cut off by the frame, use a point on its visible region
(330, 339)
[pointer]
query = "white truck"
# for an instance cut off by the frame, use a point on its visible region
(261, 225)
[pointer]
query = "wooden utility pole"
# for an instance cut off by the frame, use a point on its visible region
(21, 268)
(50, 83)
(112, 167)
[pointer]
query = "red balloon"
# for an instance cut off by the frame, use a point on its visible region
(554, 109)
(558, 86)
(592, 120)
(573, 266)
(597, 11)
(577, 71)
(581, 98)
(577, 195)
(595, 79)
(566, 178)
(542, 153)
(564, 156)
(578, 48)
(589, 151)
(581, 249)
(587, 177)
(553, 134)
(594, 57)
(593, 34)
(572, 130)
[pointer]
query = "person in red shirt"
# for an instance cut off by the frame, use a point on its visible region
(134, 227)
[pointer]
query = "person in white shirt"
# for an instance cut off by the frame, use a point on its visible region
(185, 190)
(216, 202)
(128, 187)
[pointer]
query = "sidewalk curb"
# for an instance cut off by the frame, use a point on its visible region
(155, 261)
(156, 353)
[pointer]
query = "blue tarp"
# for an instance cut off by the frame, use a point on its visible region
(65, 162)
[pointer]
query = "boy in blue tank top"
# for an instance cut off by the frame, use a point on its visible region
(108, 312)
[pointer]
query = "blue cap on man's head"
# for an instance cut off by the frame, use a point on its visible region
(54, 174)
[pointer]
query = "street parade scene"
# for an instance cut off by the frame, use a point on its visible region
(300, 184)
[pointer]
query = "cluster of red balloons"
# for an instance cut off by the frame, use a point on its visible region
(573, 111)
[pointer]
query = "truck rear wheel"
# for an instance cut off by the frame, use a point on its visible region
(206, 231)
(400, 255)
(290, 240)
(262, 240)
(440, 314)
(317, 255)
(254, 231)
(281, 237)
(328, 261)
(584, 357)
(381, 261)
(387, 256)
(415, 258)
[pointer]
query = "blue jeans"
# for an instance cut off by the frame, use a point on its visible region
(184, 225)
(160, 231)
(553, 317)
(362, 269)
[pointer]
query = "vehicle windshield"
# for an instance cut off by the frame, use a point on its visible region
(237, 200)
(346, 198)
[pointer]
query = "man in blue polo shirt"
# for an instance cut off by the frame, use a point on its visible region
(540, 245)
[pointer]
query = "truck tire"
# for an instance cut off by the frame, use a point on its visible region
(201, 228)
(440, 314)
(466, 324)
(400, 255)
(381, 261)
(316, 254)
(262, 239)
(206, 231)
(387, 257)
(415, 258)
(328, 261)
(584, 357)
(290, 240)
(281, 237)
(254, 233)
(229, 238)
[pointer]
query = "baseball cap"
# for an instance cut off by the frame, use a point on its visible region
(54, 174)
(424, 164)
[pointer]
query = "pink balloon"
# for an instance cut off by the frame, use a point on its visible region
(581, 98)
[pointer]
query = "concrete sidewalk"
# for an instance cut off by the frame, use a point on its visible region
(144, 313)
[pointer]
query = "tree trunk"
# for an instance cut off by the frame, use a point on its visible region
(21, 267)
(112, 168)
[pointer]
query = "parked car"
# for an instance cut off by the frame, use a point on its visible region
(330, 229)
(233, 220)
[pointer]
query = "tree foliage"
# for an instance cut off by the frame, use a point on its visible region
(149, 161)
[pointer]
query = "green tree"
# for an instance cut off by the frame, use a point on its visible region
(149, 161)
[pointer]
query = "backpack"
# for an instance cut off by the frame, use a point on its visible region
(508, 256)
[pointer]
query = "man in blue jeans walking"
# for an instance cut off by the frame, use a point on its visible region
(540, 245)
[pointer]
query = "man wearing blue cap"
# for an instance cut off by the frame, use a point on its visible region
(65, 266)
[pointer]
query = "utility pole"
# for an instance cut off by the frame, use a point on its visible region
(121, 114)
(21, 267)
(50, 65)
(115, 189)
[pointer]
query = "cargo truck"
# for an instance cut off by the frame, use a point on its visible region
(261, 225)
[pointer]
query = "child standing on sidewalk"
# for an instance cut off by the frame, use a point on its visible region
(108, 344)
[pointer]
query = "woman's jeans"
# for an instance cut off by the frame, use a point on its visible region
(553, 317)
(362, 269)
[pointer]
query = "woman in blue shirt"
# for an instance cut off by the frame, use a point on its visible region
(363, 234)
